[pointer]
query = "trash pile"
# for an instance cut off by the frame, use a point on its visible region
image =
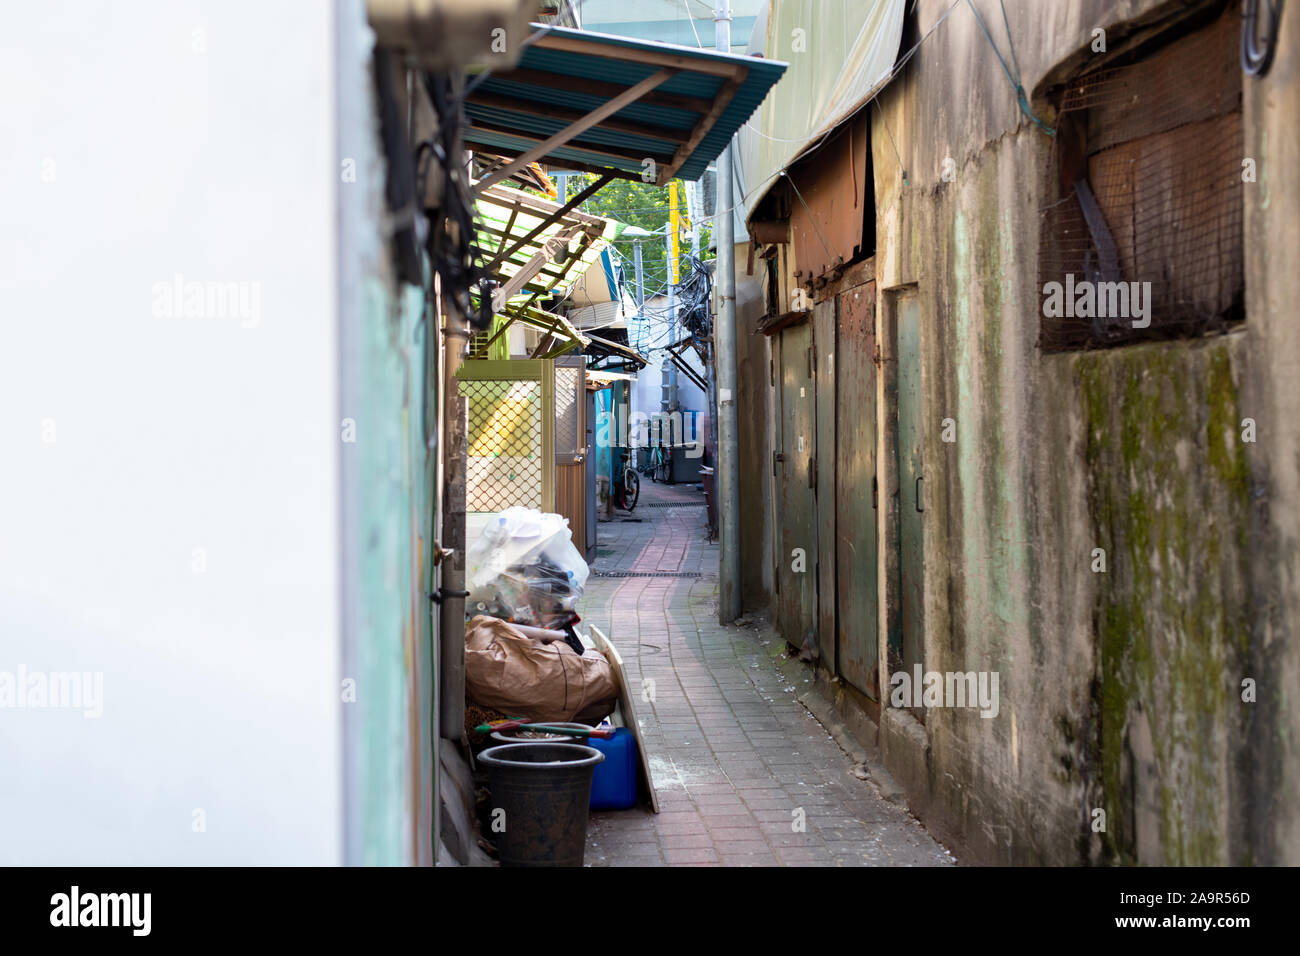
(525, 569)
(523, 657)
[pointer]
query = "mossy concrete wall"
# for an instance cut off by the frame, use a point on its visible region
(1121, 735)
(1169, 501)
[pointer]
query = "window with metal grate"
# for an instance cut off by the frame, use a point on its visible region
(1144, 239)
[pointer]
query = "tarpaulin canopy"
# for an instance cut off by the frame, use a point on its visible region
(840, 54)
(582, 100)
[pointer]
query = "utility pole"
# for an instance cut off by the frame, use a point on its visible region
(692, 200)
(729, 603)
(641, 282)
(668, 380)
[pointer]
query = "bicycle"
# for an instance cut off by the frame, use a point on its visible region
(628, 488)
(661, 465)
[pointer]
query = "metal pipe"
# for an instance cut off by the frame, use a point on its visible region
(640, 278)
(729, 596)
(451, 611)
(668, 401)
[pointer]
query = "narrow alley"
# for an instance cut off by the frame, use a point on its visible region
(484, 435)
(735, 755)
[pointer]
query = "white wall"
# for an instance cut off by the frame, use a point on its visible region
(140, 142)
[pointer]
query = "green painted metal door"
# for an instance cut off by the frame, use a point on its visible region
(796, 562)
(911, 481)
(857, 492)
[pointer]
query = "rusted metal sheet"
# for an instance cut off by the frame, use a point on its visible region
(828, 203)
(796, 560)
(824, 320)
(857, 493)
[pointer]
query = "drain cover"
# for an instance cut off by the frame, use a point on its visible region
(645, 574)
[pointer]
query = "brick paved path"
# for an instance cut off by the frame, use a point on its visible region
(735, 756)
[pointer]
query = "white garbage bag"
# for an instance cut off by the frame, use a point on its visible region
(524, 567)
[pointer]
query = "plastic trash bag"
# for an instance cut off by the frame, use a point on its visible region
(524, 568)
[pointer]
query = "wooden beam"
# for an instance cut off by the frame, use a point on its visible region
(510, 223)
(614, 124)
(546, 254)
(676, 61)
(608, 108)
(538, 205)
(583, 245)
(488, 162)
(628, 174)
(595, 149)
(702, 128)
(558, 214)
(593, 88)
(544, 342)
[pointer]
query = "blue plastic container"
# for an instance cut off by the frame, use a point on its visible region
(613, 782)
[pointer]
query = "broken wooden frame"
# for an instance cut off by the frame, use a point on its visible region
(548, 262)
(553, 328)
(675, 354)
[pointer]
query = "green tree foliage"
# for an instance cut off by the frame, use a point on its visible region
(645, 205)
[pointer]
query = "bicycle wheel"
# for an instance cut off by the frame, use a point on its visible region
(631, 489)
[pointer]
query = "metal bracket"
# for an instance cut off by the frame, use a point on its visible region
(439, 595)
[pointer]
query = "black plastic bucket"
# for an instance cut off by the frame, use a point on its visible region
(545, 790)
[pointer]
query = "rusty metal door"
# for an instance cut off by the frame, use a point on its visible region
(857, 492)
(794, 468)
(911, 479)
(824, 321)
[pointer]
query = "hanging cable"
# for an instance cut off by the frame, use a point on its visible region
(1021, 98)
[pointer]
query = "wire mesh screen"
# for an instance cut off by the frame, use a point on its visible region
(505, 444)
(568, 395)
(1146, 238)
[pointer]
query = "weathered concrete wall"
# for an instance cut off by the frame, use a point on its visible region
(1270, 394)
(1120, 691)
(387, 351)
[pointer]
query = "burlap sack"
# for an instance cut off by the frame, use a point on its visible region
(526, 678)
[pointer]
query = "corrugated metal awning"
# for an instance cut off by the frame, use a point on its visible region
(676, 107)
